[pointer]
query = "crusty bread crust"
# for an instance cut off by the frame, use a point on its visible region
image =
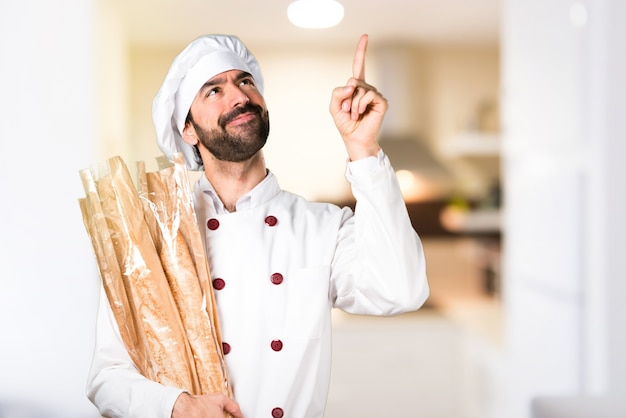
(186, 273)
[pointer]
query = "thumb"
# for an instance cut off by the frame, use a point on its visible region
(233, 409)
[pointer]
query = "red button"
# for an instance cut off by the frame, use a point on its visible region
(213, 224)
(278, 413)
(271, 220)
(277, 345)
(226, 348)
(277, 278)
(218, 284)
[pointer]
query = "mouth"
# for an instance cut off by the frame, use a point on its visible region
(242, 118)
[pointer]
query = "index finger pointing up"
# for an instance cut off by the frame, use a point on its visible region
(358, 66)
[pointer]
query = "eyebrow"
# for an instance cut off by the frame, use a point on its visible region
(217, 80)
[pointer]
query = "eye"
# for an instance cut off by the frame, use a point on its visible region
(247, 82)
(212, 92)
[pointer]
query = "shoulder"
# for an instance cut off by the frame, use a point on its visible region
(300, 206)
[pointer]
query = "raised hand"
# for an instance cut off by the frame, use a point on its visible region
(358, 109)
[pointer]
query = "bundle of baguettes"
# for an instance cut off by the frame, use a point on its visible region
(155, 273)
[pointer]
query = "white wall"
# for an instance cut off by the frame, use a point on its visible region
(48, 284)
(563, 101)
(111, 85)
(610, 79)
(304, 149)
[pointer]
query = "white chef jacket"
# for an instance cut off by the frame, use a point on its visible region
(278, 265)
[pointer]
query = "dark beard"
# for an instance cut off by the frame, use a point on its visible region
(240, 146)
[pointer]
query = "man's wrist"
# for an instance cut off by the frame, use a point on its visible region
(180, 406)
(359, 153)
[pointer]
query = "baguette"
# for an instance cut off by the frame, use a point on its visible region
(111, 276)
(191, 232)
(155, 273)
(181, 271)
(149, 290)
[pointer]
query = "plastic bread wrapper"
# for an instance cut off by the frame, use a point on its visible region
(155, 274)
(167, 201)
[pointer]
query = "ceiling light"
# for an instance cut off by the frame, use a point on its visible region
(315, 14)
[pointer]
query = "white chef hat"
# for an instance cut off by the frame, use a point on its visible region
(204, 58)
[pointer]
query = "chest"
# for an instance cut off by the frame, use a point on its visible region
(270, 267)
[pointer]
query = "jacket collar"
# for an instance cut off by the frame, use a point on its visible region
(259, 195)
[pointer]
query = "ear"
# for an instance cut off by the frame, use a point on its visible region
(189, 134)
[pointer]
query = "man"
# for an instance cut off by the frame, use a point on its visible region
(279, 264)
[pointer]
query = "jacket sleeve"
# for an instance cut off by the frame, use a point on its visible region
(114, 384)
(379, 266)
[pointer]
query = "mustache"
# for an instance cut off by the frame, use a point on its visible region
(247, 108)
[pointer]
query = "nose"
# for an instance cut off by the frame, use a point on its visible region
(238, 97)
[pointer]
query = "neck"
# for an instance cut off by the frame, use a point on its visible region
(233, 180)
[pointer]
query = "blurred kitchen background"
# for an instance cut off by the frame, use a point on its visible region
(506, 125)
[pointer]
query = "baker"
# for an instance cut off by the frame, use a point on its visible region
(279, 263)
